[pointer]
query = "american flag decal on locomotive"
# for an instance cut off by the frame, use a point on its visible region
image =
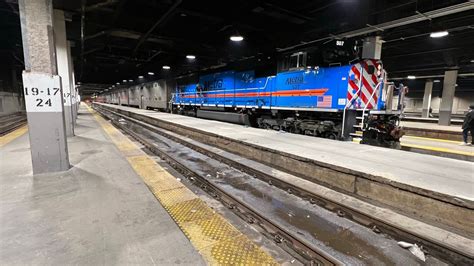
(324, 102)
(371, 70)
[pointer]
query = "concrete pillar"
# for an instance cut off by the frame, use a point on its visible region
(427, 98)
(72, 82)
(62, 59)
(446, 105)
(42, 88)
(372, 48)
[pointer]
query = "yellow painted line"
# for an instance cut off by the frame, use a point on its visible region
(438, 149)
(432, 139)
(219, 242)
(4, 140)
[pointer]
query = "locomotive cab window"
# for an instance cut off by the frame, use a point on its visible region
(297, 60)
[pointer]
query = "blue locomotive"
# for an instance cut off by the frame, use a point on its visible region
(318, 101)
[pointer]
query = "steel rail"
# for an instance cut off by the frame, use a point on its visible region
(378, 226)
(290, 242)
(11, 123)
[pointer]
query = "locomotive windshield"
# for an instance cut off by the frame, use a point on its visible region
(297, 61)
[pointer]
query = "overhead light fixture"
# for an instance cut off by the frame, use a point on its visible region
(411, 77)
(130, 80)
(436, 81)
(118, 83)
(472, 61)
(189, 56)
(151, 73)
(236, 38)
(124, 80)
(439, 34)
(166, 67)
(140, 77)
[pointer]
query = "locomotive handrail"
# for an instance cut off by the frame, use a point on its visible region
(351, 101)
(368, 102)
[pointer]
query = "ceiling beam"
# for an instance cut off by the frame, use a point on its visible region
(163, 18)
(392, 24)
(98, 5)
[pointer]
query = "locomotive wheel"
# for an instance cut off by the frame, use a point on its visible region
(331, 136)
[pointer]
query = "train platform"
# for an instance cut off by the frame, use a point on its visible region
(432, 146)
(438, 147)
(424, 135)
(428, 129)
(431, 126)
(434, 187)
(434, 120)
(115, 205)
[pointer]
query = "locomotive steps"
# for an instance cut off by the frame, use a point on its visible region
(354, 188)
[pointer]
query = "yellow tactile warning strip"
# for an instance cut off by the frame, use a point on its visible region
(4, 140)
(219, 242)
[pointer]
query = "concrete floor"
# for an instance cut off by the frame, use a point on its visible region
(448, 145)
(450, 177)
(97, 213)
(434, 126)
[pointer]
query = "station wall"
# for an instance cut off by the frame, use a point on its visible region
(11, 99)
(10, 102)
(462, 100)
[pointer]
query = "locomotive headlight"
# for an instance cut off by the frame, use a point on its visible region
(379, 70)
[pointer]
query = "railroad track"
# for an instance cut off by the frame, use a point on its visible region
(304, 247)
(11, 122)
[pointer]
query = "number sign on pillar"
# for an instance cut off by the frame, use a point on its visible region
(43, 92)
(68, 99)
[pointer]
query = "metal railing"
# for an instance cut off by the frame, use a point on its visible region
(368, 103)
(351, 102)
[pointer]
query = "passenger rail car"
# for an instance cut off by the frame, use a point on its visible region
(313, 101)
(151, 95)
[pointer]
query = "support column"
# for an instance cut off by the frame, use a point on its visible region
(427, 98)
(446, 106)
(42, 88)
(64, 71)
(72, 82)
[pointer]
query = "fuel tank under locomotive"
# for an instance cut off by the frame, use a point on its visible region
(317, 128)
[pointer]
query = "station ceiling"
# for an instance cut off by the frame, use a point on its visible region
(115, 40)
